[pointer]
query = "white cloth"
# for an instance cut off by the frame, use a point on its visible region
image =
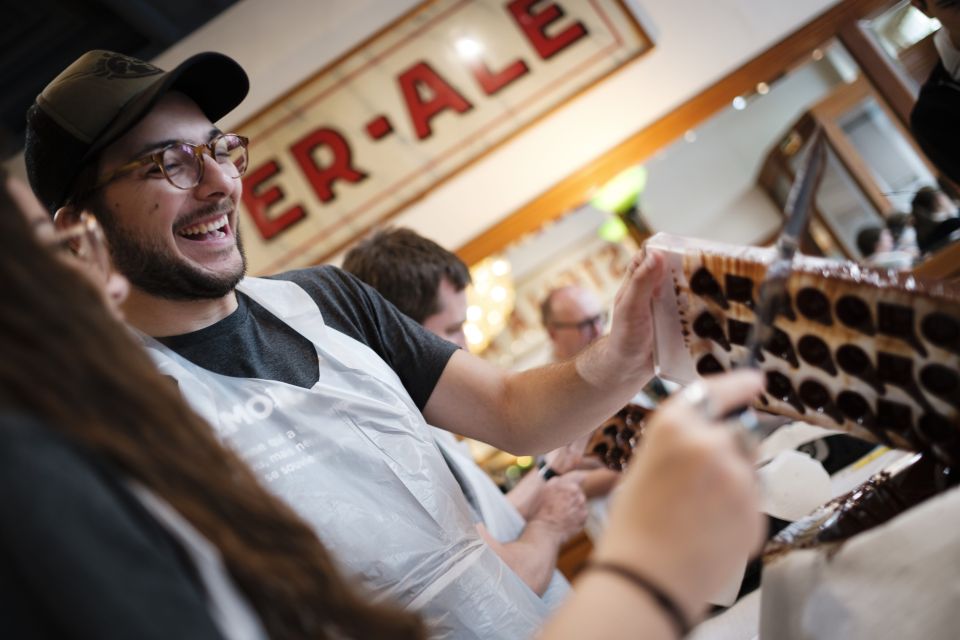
(949, 55)
(499, 516)
(228, 607)
(354, 457)
(891, 260)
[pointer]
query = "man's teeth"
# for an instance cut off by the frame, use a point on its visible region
(207, 227)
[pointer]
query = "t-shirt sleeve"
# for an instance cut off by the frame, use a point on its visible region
(86, 561)
(356, 309)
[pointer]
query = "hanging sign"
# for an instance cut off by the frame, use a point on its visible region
(406, 110)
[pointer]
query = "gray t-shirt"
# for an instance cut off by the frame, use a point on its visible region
(253, 343)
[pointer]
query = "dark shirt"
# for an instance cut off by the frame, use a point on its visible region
(934, 121)
(80, 557)
(253, 343)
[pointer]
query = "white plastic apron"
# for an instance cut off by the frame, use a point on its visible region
(499, 516)
(354, 457)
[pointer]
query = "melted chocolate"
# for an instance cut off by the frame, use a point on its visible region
(815, 395)
(708, 365)
(942, 382)
(815, 351)
(897, 418)
(780, 346)
(739, 289)
(855, 361)
(942, 330)
(706, 326)
(936, 429)
(898, 371)
(814, 305)
(883, 497)
(779, 386)
(739, 331)
(897, 320)
(705, 285)
(942, 436)
(854, 313)
(857, 409)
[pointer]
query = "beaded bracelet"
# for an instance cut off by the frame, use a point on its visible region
(667, 604)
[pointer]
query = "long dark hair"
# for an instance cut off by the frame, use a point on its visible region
(66, 361)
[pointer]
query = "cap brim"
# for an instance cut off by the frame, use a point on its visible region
(214, 81)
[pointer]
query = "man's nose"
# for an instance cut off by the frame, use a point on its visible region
(216, 181)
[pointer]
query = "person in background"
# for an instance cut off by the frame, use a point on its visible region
(935, 216)
(903, 232)
(129, 520)
(933, 119)
(875, 244)
(574, 318)
(528, 526)
(123, 517)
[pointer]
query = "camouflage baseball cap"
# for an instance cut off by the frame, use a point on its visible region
(101, 96)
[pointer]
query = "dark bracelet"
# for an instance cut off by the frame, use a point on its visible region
(545, 471)
(666, 603)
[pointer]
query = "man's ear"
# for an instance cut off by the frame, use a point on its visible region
(66, 216)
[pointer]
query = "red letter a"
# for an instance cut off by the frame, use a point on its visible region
(422, 111)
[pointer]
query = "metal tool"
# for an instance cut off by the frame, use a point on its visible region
(772, 294)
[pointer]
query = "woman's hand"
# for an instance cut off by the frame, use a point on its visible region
(687, 515)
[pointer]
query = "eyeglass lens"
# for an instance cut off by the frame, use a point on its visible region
(182, 163)
(85, 243)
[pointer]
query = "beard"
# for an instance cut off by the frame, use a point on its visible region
(150, 266)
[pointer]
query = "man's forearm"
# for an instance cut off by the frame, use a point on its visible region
(536, 410)
(523, 496)
(569, 399)
(532, 556)
(540, 409)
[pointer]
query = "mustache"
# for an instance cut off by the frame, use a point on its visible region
(225, 206)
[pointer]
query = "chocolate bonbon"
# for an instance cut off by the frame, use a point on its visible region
(875, 353)
(814, 305)
(613, 441)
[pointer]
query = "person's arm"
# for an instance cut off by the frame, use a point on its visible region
(525, 494)
(599, 482)
(560, 513)
(684, 521)
(539, 409)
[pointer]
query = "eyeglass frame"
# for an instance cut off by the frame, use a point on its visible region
(583, 325)
(157, 156)
(88, 230)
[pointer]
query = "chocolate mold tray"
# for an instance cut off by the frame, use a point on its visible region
(874, 353)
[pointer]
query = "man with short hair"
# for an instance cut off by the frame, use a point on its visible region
(935, 217)
(322, 386)
(527, 527)
(573, 318)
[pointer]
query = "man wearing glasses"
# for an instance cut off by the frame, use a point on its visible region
(321, 385)
(573, 318)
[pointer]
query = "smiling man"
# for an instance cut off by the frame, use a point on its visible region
(322, 386)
